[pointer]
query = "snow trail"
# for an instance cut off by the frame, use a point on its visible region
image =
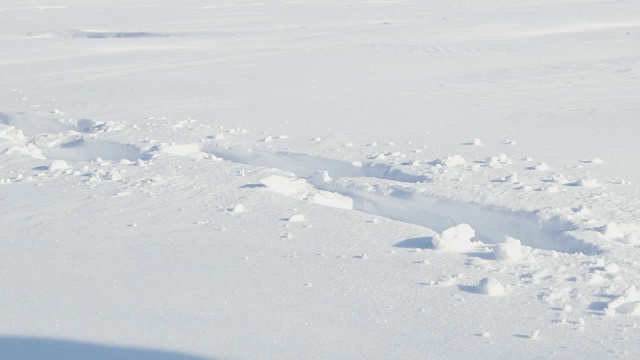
(305, 165)
(409, 205)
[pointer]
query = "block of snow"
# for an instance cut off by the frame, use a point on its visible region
(457, 238)
(296, 218)
(238, 208)
(451, 161)
(509, 250)
(612, 268)
(611, 231)
(285, 186)
(621, 302)
(588, 183)
(58, 165)
(541, 167)
(491, 287)
(332, 199)
(319, 177)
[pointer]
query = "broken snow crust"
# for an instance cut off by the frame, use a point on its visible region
(319, 179)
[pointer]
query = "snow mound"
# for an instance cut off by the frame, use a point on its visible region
(457, 238)
(491, 287)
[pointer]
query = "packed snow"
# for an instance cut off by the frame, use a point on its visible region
(319, 179)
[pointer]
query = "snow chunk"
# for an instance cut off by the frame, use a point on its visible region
(187, 150)
(491, 287)
(457, 238)
(497, 161)
(238, 208)
(332, 199)
(588, 183)
(612, 268)
(58, 165)
(611, 231)
(285, 186)
(451, 161)
(319, 177)
(296, 218)
(627, 303)
(509, 250)
(541, 167)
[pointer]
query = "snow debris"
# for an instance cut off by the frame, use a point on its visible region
(332, 199)
(558, 179)
(457, 238)
(285, 186)
(296, 218)
(596, 160)
(540, 167)
(490, 286)
(511, 178)
(611, 231)
(535, 335)
(450, 161)
(612, 268)
(187, 150)
(476, 142)
(58, 165)
(588, 183)
(509, 250)
(319, 177)
(498, 161)
(627, 303)
(238, 208)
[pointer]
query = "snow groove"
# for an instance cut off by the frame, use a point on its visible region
(406, 204)
(492, 224)
(305, 165)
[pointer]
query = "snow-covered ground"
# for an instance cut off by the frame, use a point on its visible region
(319, 179)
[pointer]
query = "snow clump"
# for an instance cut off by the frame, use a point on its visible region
(491, 287)
(509, 250)
(451, 161)
(457, 238)
(58, 165)
(296, 218)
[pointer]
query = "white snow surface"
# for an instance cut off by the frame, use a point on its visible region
(226, 179)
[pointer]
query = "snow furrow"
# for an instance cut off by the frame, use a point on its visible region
(407, 204)
(305, 165)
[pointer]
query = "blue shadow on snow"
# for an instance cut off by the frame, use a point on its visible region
(32, 348)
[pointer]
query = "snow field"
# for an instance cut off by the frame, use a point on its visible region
(440, 191)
